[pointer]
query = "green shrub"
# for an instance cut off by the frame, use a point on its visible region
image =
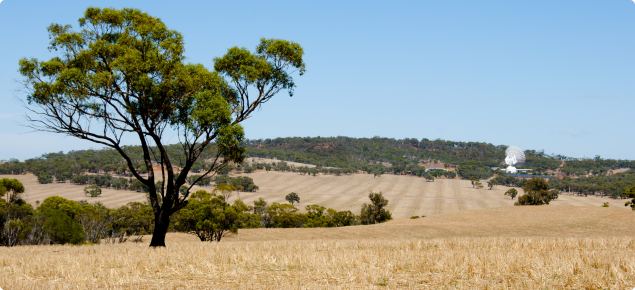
(537, 193)
(476, 171)
(246, 182)
(92, 190)
(44, 178)
(375, 212)
(62, 229)
(55, 203)
(209, 217)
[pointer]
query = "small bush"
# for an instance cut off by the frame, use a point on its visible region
(44, 178)
(92, 190)
(62, 229)
(537, 193)
(375, 212)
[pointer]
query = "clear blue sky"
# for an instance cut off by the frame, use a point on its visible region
(553, 75)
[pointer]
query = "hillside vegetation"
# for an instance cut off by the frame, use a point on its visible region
(348, 154)
(402, 154)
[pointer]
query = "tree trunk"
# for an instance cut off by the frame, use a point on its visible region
(160, 229)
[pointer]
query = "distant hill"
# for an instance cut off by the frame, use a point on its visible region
(332, 155)
(393, 155)
(401, 154)
(345, 155)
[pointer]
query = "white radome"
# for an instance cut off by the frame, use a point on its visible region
(514, 156)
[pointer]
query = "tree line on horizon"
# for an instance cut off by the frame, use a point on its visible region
(401, 153)
(332, 155)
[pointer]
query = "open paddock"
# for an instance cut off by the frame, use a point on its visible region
(408, 196)
(547, 247)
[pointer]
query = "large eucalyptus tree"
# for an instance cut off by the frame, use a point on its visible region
(123, 73)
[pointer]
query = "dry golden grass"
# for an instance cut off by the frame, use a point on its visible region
(553, 247)
(526, 221)
(456, 263)
(408, 196)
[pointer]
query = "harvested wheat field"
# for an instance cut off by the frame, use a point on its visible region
(525, 221)
(459, 263)
(408, 196)
(544, 247)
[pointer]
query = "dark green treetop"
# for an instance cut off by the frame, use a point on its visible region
(292, 198)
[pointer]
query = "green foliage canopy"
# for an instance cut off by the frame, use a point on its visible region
(292, 198)
(512, 193)
(12, 188)
(124, 73)
(210, 217)
(92, 190)
(537, 193)
(375, 212)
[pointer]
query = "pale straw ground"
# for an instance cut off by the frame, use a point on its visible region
(471, 239)
(546, 247)
(407, 195)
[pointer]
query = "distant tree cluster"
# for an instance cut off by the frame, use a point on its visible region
(343, 152)
(242, 183)
(334, 156)
(477, 171)
(104, 180)
(61, 167)
(596, 166)
(630, 193)
(613, 185)
(510, 181)
(536, 193)
(405, 155)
